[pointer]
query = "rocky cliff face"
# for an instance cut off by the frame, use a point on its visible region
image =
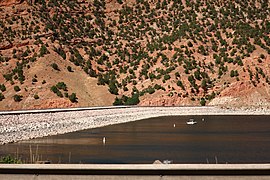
(9, 2)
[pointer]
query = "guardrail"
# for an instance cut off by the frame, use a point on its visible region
(136, 169)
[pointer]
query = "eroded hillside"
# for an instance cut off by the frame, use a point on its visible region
(60, 53)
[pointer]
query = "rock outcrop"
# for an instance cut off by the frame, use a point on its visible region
(5, 45)
(9, 2)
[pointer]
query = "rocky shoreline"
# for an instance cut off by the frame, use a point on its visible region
(18, 127)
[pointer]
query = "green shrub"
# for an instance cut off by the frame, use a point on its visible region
(73, 98)
(8, 77)
(2, 97)
(54, 89)
(17, 98)
(125, 88)
(151, 90)
(120, 1)
(55, 66)
(232, 73)
(262, 56)
(167, 77)
(202, 102)
(34, 80)
(43, 50)
(9, 160)
(36, 96)
(189, 44)
(113, 89)
(17, 88)
(180, 84)
(118, 102)
(61, 52)
(61, 85)
(133, 100)
(69, 69)
(203, 84)
(2, 87)
(58, 93)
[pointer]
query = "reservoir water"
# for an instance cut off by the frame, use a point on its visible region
(214, 139)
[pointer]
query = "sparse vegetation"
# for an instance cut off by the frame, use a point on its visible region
(9, 160)
(186, 50)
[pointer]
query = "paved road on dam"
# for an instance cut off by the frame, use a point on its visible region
(136, 171)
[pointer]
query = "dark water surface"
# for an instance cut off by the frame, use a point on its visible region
(221, 139)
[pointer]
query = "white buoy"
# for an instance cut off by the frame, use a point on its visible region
(202, 119)
(104, 140)
(173, 125)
